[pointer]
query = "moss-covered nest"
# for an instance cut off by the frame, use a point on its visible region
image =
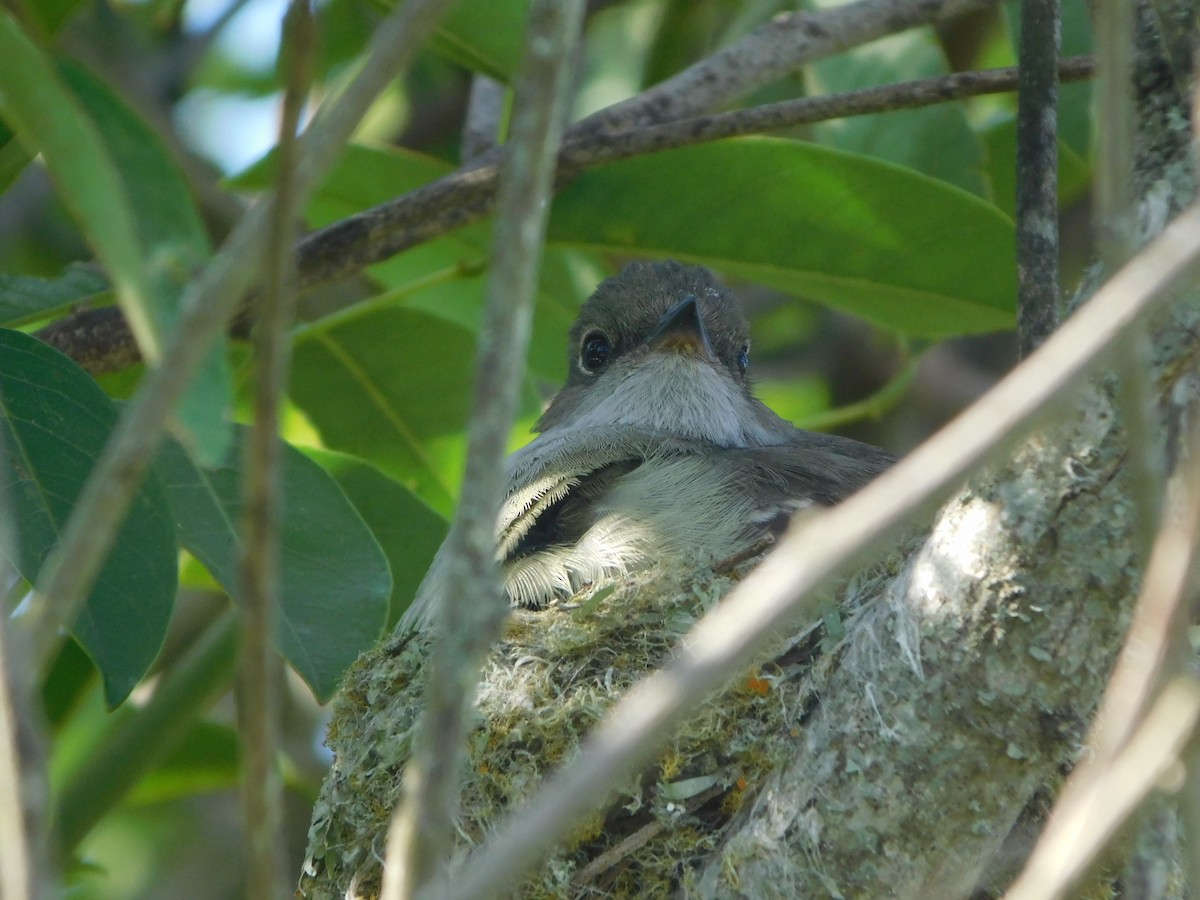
(553, 676)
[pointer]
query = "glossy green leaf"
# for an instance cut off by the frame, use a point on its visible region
(898, 248)
(335, 579)
(208, 758)
(445, 277)
(392, 386)
(55, 422)
(484, 37)
(36, 105)
(24, 298)
(408, 530)
(65, 686)
(174, 243)
(935, 140)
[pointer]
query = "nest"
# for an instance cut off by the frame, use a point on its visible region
(555, 674)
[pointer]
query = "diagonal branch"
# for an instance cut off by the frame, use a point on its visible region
(98, 340)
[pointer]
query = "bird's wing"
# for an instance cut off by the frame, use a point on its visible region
(822, 468)
(555, 481)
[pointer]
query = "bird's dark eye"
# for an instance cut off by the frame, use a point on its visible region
(744, 358)
(596, 349)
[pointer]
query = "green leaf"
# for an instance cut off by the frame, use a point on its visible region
(66, 684)
(174, 243)
(166, 218)
(53, 14)
(38, 107)
(335, 579)
(898, 248)
(207, 758)
(24, 298)
(484, 37)
(936, 140)
(408, 531)
(444, 277)
(55, 422)
(13, 157)
(392, 386)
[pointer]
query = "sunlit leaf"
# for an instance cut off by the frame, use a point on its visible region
(484, 37)
(392, 386)
(936, 140)
(885, 243)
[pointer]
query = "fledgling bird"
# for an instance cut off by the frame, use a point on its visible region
(655, 447)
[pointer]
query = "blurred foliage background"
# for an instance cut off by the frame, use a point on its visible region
(875, 257)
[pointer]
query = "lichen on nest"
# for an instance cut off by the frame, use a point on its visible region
(552, 677)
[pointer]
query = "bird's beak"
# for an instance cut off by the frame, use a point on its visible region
(681, 329)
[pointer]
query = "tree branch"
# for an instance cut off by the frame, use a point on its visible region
(469, 608)
(259, 667)
(1037, 174)
(97, 340)
(895, 760)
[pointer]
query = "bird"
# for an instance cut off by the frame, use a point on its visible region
(655, 448)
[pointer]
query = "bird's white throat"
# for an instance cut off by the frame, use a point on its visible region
(676, 394)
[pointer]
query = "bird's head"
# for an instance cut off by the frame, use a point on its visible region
(663, 346)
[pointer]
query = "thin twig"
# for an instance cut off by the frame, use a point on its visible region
(1158, 619)
(485, 110)
(808, 559)
(208, 305)
(259, 667)
(776, 49)
(599, 149)
(1115, 207)
(22, 817)
(466, 196)
(93, 339)
(23, 802)
(1037, 174)
(470, 615)
(871, 407)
